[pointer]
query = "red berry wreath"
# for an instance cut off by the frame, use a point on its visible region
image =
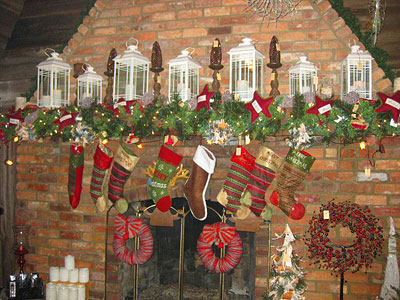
(366, 245)
(130, 227)
(220, 234)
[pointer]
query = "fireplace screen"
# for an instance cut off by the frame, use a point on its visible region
(159, 278)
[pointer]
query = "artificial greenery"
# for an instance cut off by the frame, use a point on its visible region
(380, 55)
(176, 117)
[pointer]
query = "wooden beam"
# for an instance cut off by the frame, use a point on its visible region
(10, 11)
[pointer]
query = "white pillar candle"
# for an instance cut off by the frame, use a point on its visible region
(51, 291)
(54, 274)
(72, 292)
(81, 292)
(57, 97)
(242, 85)
(62, 292)
(70, 262)
(73, 275)
(64, 275)
(84, 275)
(19, 102)
(45, 101)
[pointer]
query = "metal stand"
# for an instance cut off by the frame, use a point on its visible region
(221, 293)
(136, 269)
(341, 285)
(181, 255)
(268, 257)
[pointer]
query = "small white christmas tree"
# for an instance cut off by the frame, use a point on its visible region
(287, 279)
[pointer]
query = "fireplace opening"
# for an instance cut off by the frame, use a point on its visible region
(159, 277)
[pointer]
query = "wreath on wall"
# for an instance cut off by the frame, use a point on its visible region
(130, 227)
(366, 245)
(220, 235)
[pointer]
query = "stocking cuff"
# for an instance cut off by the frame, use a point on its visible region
(205, 159)
(126, 158)
(244, 159)
(269, 159)
(103, 157)
(300, 160)
(76, 156)
(170, 157)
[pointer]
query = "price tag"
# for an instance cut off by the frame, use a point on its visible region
(326, 214)
(123, 103)
(215, 44)
(272, 76)
(393, 103)
(201, 98)
(218, 76)
(315, 80)
(367, 172)
(278, 47)
(360, 65)
(238, 151)
(257, 107)
(16, 121)
(324, 109)
(65, 118)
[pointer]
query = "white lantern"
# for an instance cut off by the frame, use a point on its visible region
(303, 77)
(184, 76)
(246, 70)
(356, 75)
(131, 74)
(89, 85)
(53, 82)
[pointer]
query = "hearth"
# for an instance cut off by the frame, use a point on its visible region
(159, 277)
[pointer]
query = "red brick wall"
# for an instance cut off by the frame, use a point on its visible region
(314, 30)
(57, 230)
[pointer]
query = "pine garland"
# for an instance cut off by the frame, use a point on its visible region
(380, 55)
(161, 119)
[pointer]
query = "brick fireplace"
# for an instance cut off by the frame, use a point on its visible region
(57, 230)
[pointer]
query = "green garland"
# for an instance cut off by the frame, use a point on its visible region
(380, 55)
(176, 117)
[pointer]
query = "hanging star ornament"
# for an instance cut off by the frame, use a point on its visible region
(258, 105)
(203, 100)
(65, 120)
(15, 119)
(391, 104)
(321, 108)
(127, 105)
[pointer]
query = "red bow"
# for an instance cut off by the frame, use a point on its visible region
(219, 233)
(128, 226)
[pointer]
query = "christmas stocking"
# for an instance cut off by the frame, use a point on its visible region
(294, 170)
(124, 163)
(76, 162)
(102, 162)
(266, 165)
(165, 169)
(238, 178)
(196, 186)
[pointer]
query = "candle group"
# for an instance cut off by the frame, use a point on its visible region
(68, 282)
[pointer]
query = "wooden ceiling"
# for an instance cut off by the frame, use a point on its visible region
(389, 38)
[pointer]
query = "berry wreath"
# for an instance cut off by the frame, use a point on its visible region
(366, 245)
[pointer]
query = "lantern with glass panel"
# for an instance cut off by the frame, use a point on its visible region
(303, 77)
(246, 70)
(131, 74)
(53, 82)
(356, 75)
(184, 73)
(90, 85)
